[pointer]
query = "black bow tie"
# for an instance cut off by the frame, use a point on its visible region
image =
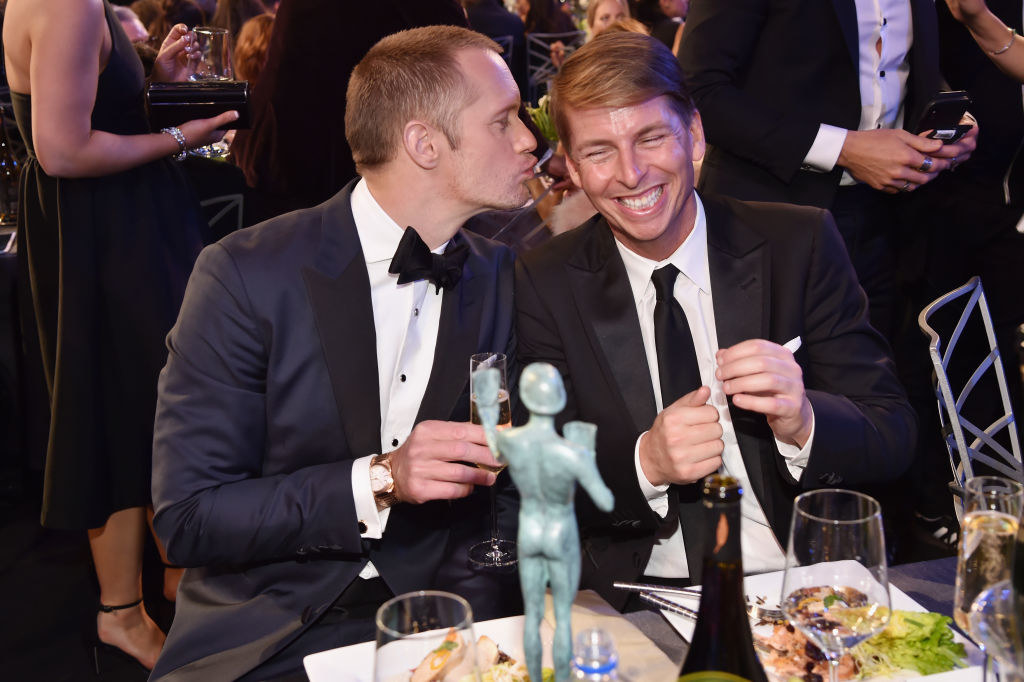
(413, 261)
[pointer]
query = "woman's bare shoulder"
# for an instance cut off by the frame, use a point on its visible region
(75, 25)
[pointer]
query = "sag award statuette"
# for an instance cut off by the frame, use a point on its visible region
(545, 468)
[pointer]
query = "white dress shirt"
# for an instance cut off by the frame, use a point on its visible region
(884, 35)
(761, 550)
(405, 319)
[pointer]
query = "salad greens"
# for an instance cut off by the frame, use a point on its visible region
(912, 641)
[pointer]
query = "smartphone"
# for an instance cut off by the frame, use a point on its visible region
(942, 116)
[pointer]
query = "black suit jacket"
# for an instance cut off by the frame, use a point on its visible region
(766, 73)
(269, 393)
(777, 272)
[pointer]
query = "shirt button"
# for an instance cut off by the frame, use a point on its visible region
(402, 377)
(882, 74)
(415, 312)
(394, 442)
(884, 21)
(362, 527)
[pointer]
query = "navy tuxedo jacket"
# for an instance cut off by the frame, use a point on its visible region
(777, 272)
(269, 393)
(766, 73)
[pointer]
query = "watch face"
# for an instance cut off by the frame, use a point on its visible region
(380, 478)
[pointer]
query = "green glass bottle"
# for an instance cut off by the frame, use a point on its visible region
(722, 647)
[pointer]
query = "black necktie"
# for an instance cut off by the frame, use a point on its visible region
(413, 261)
(677, 365)
(677, 360)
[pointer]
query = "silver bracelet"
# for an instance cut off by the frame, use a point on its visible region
(1004, 48)
(179, 137)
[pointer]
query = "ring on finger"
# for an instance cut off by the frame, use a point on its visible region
(926, 165)
(953, 162)
(905, 187)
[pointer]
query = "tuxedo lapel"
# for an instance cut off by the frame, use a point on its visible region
(339, 292)
(739, 267)
(458, 333)
(604, 298)
(846, 13)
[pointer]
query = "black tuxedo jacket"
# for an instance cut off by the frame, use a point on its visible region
(777, 272)
(766, 73)
(269, 393)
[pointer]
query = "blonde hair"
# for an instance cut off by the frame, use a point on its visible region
(596, 4)
(251, 48)
(412, 74)
(629, 24)
(618, 69)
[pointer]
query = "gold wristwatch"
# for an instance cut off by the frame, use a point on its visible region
(382, 483)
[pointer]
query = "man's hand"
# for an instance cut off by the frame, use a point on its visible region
(763, 377)
(685, 442)
(891, 160)
(435, 462)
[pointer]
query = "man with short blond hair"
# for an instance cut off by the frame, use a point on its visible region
(696, 332)
(311, 455)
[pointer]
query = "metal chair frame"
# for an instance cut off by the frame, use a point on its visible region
(956, 427)
(538, 57)
(507, 44)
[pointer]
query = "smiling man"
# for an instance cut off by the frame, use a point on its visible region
(311, 452)
(697, 333)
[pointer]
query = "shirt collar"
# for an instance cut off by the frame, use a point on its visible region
(378, 233)
(691, 258)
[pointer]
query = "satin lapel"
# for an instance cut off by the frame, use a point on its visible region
(339, 293)
(458, 333)
(846, 13)
(739, 266)
(601, 288)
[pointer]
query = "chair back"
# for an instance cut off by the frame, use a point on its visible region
(224, 214)
(506, 43)
(539, 65)
(961, 364)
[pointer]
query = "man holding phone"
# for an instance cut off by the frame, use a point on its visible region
(816, 103)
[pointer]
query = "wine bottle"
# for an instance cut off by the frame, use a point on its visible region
(722, 647)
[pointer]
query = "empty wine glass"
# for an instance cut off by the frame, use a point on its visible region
(995, 622)
(836, 588)
(493, 552)
(213, 64)
(414, 626)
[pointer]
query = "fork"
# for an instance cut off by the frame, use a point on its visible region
(754, 611)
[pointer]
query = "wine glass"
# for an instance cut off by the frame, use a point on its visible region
(493, 552)
(995, 620)
(992, 506)
(836, 588)
(414, 626)
(213, 64)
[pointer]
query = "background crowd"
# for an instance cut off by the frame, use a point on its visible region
(94, 285)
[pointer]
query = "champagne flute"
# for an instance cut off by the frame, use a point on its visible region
(213, 64)
(429, 631)
(992, 507)
(995, 622)
(836, 588)
(493, 552)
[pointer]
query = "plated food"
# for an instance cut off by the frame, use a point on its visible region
(450, 663)
(915, 641)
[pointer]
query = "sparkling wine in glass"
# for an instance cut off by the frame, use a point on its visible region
(429, 633)
(213, 64)
(494, 552)
(992, 508)
(995, 621)
(836, 588)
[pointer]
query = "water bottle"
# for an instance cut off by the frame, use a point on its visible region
(593, 657)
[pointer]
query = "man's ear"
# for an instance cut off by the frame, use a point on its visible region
(420, 141)
(697, 137)
(574, 172)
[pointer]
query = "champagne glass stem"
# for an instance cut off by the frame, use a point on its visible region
(494, 519)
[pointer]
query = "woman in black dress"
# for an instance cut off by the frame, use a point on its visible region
(110, 228)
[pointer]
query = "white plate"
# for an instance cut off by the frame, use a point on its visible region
(355, 663)
(769, 586)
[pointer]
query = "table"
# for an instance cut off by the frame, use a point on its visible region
(929, 583)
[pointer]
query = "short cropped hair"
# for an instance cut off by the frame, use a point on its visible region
(409, 75)
(620, 69)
